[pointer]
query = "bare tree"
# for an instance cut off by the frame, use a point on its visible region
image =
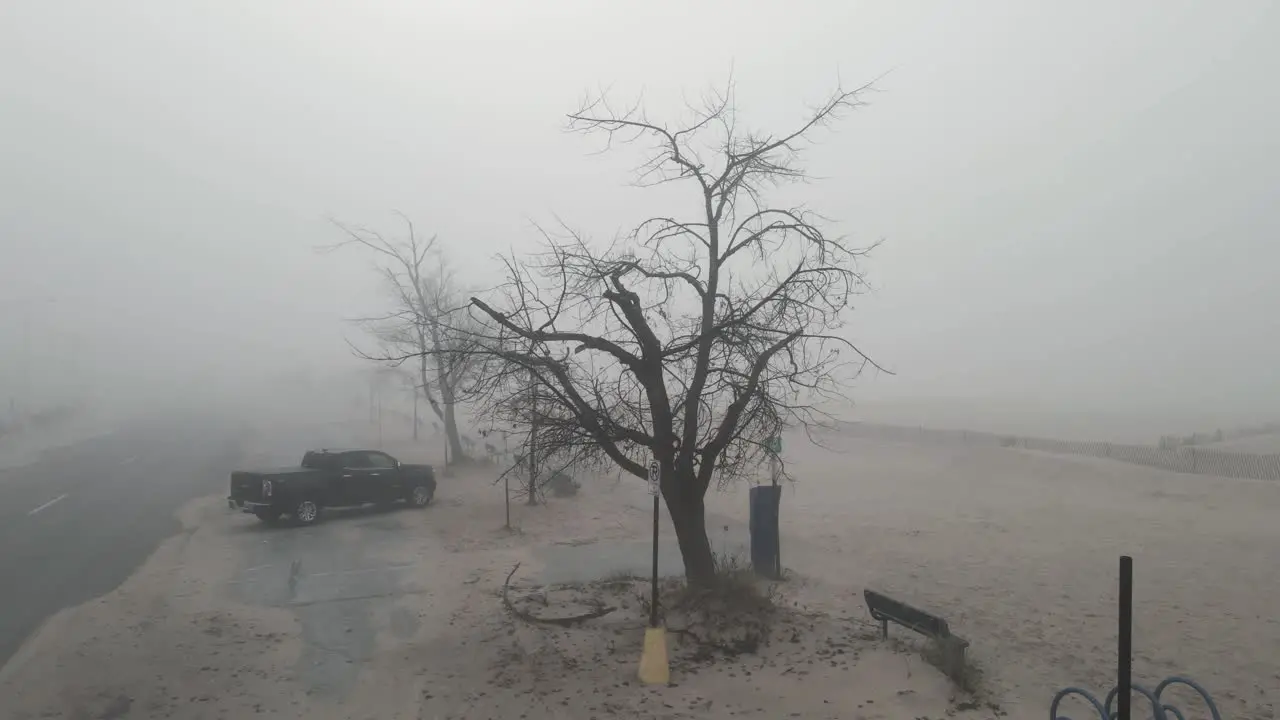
(428, 324)
(518, 404)
(692, 339)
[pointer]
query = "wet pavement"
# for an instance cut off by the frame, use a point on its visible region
(338, 580)
(77, 522)
(331, 577)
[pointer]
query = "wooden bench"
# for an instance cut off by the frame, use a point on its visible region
(885, 609)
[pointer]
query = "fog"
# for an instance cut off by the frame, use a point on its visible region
(1077, 200)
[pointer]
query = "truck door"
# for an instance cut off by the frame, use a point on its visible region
(368, 477)
(357, 476)
(384, 478)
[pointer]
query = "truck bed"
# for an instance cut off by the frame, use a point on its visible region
(246, 485)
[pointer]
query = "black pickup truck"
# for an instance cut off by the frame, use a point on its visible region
(330, 478)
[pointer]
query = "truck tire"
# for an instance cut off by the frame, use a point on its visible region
(306, 512)
(420, 496)
(267, 515)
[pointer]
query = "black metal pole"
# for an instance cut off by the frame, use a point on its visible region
(655, 487)
(1124, 681)
(533, 440)
(653, 587)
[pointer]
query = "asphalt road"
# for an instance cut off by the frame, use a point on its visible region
(76, 524)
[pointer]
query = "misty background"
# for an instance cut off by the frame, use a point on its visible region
(1077, 199)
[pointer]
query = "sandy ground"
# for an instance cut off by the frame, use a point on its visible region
(1020, 551)
(399, 615)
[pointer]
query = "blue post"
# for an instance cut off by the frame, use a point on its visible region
(765, 536)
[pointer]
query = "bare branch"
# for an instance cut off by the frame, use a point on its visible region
(690, 340)
(428, 323)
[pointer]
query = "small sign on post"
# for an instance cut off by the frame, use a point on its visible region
(654, 668)
(773, 444)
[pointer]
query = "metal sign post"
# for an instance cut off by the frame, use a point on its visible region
(654, 668)
(655, 476)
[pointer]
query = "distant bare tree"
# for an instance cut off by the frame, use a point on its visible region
(428, 325)
(693, 338)
(518, 404)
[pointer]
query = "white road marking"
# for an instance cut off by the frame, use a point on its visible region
(45, 506)
(130, 460)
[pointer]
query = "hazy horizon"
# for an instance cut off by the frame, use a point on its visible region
(1074, 203)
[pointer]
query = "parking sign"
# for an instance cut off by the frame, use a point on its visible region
(655, 472)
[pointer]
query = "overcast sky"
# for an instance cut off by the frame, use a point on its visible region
(1078, 199)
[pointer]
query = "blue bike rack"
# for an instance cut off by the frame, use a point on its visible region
(1159, 709)
(1121, 694)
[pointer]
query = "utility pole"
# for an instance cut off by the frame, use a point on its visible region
(506, 479)
(26, 360)
(20, 397)
(506, 500)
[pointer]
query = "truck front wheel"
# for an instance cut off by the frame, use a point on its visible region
(421, 495)
(307, 512)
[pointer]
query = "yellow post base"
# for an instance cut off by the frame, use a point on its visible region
(653, 660)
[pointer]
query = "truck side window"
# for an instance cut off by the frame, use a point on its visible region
(357, 460)
(380, 460)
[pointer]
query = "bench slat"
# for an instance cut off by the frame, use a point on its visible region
(886, 609)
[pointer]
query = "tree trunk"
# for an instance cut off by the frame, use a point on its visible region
(450, 420)
(689, 516)
(451, 429)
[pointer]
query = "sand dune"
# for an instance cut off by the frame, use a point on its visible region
(1020, 550)
(1256, 445)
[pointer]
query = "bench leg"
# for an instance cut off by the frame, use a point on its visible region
(884, 629)
(952, 658)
